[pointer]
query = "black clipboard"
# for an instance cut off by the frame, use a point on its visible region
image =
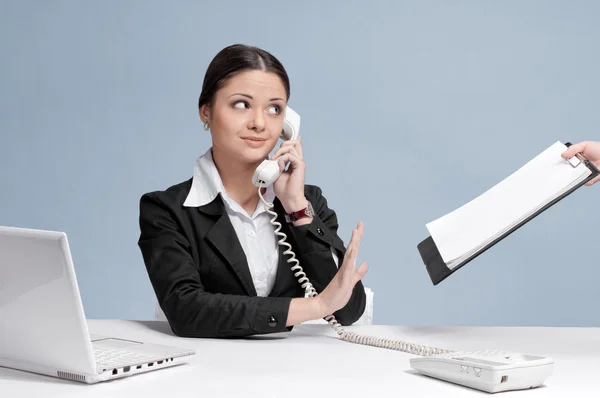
(437, 269)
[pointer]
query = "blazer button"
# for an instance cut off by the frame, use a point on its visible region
(272, 322)
(320, 231)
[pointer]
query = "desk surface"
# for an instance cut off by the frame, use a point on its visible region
(312, 361)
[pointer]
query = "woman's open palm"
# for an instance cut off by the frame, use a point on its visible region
(338, 292)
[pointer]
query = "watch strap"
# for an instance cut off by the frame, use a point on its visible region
(308, 211)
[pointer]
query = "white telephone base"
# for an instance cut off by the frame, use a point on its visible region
(487, 370)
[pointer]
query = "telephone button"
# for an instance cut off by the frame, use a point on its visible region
(272, 322)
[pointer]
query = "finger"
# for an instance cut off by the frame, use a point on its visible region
(295, 162)
(354, 245)
(295, 147)
(349, 264)
(360, 233)
(355, 238)
(351, 250)
(593, 181)
(289, 149)
(286, 149)
(297, 144)
(574, 149)
(361, 228)
(360, 273)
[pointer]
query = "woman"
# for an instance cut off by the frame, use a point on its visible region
(209, 248)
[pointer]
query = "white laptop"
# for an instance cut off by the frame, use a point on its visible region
(43, 327)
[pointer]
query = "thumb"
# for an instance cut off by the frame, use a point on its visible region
(282, 162)
(360, 273)
(574, 149)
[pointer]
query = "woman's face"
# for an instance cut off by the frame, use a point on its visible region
(247, 115)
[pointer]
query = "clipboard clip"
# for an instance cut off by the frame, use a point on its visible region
(576, 159)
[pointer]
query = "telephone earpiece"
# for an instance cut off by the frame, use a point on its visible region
(268, 171)
(291, 125)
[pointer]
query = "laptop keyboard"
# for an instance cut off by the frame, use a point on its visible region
(115, 358)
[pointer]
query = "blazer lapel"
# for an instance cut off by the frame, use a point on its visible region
(223, 238)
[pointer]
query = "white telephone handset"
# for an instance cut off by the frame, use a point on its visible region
(268, 171)
(266, 174)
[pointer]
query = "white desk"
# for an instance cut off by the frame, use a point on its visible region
(312, 361)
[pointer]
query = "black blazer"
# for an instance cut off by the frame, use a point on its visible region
(200, 275)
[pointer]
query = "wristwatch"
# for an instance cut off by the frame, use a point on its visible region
(308, 211)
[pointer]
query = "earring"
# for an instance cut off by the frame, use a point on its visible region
(206, 125)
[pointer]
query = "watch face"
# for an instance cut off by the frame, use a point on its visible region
(309, 209)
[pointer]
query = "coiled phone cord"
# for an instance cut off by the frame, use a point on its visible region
(311, 292)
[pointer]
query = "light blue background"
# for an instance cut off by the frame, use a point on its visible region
(409, 109)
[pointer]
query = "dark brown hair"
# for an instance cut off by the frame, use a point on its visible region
(238, 58)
